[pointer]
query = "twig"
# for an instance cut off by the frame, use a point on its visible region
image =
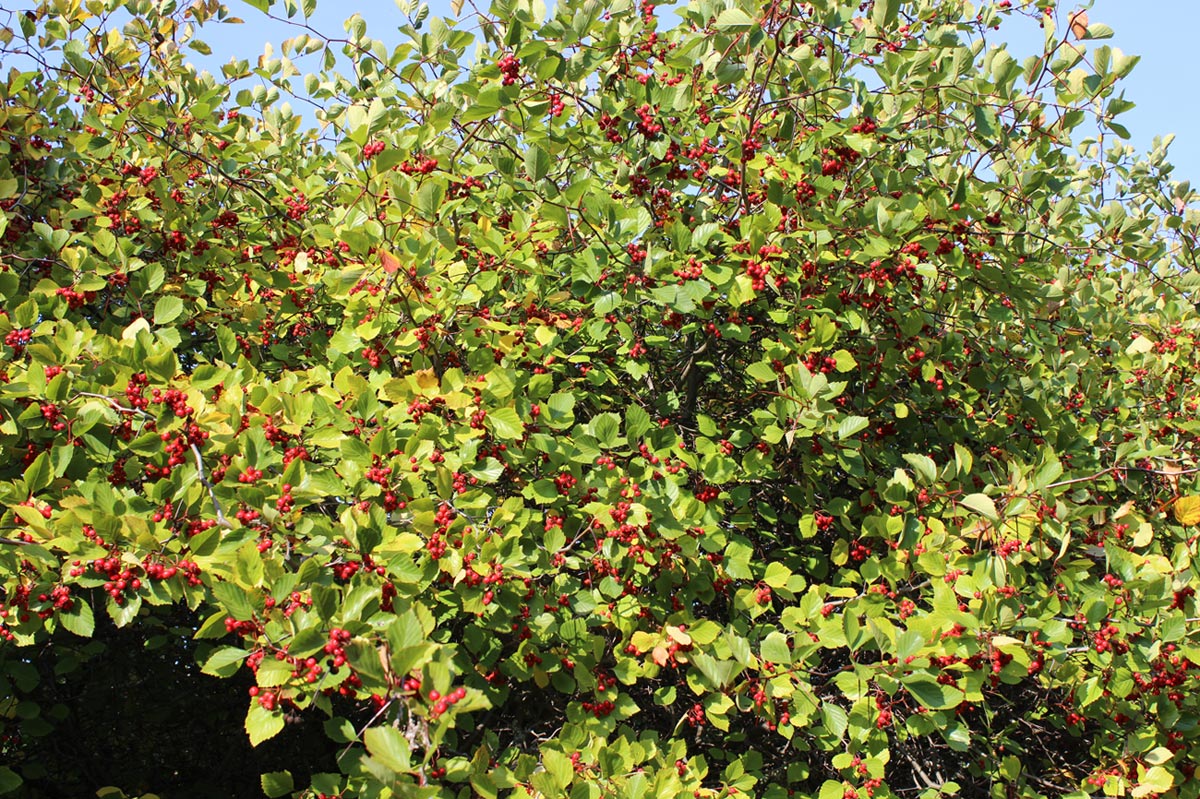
(115, 405)
(221, 520)
(929, 782)
(1111, 469)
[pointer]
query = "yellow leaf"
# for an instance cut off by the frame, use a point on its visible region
(1187, 510)
(1139, 346)
(1123, 511)
(661, 655)
(642, 640)
(426, 379)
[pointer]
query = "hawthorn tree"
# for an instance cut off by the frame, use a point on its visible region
(785, 399)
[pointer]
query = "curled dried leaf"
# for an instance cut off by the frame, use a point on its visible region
(1079, 24)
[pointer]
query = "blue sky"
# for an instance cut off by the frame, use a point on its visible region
(1162, 32)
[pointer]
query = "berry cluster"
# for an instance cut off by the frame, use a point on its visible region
(52, 415)
(599, 709)
(565, 482)
(423, 166)
(443, 703)
(693, 271)
(18, 339)
(646, 124)
(297, 205)
(75, 299)
(118, 580)
(250, 475)
(510, 68)
(336, 648)
(174, 398)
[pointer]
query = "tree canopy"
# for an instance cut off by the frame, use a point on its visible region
(756, 400)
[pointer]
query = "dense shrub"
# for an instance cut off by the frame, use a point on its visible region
(789, 399)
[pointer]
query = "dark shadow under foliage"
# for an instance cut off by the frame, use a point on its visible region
(136, 713)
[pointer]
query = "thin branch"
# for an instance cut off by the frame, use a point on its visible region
(1112, 469)
(221, 520)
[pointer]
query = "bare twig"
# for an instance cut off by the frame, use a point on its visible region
(221, 520)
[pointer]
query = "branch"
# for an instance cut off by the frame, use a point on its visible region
(1111, 469)
(221, 520)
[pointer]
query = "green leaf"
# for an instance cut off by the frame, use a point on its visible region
(606, 427)
(429, 199)
(982, 504)
(734, 19)
(923, 465)
(775, 648)
(985, 123)
(703, 232)
(762, 372)
(884, 13)
(1156, 780)
(931, 694)
(213, 627)
(277, 783)
(224, 662)
(559, 767)
(908, 643)
(272, 673)
(262, 724)
(388, 747)
(835, 718)
(485, 104)
(852, 425)
(234, 599)
(249, 566)
(9, 780)
(832, 789)
(38, 474)
(637, 422)
(167, 309)
(963, 459)
(717, 672)
(505, 424)
(561, 409)
(405, 631)
(122, 615)
(537, 163)
(80, 620)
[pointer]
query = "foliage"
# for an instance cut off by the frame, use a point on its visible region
(787, 399)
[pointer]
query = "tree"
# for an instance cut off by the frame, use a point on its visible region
(792, 399)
